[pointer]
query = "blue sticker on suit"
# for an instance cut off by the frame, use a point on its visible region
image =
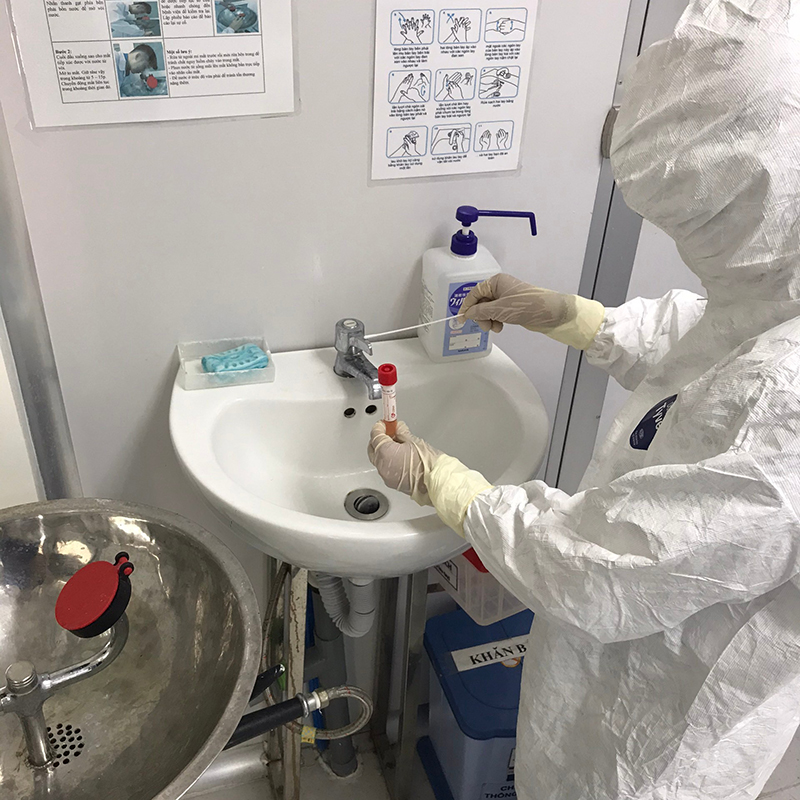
(646, 430)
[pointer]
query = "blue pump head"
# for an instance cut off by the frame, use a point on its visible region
(465, 242)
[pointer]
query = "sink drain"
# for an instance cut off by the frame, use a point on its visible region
(66, 741)
(366, 504)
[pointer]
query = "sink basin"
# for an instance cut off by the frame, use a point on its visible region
(150, 724)
(279, 459)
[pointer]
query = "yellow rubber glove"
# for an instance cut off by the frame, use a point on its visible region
(452, 487)
(503, 299)
(412, 466)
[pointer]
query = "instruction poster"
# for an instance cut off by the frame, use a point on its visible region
(450, 87)
(99, 61)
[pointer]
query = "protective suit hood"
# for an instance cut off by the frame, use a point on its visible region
(707, 146)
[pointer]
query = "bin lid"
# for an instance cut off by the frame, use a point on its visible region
(484, 700)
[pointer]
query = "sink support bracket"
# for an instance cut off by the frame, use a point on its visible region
(283, 746)
(409, 594)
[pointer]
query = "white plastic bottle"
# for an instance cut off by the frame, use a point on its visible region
(448, 276)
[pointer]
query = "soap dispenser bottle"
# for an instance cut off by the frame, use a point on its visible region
(448, 276)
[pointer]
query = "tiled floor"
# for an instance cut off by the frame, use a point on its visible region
(367, 784)
(318, 784)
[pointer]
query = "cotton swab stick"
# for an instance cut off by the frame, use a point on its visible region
(405, 330)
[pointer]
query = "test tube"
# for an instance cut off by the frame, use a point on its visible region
(387, 377)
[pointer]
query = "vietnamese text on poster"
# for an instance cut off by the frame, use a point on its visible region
(95, 61)
(450, 87)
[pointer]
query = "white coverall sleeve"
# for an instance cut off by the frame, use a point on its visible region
(635, 336)
(643, 553)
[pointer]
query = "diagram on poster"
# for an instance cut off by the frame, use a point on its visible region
(449, 139)
(506, 24)
(86, 61)
(494, 137)
(412, 27)
(450, 88)
(410, 87)
(459, 25)
(499, 82)
(407, 143)
(455, 84)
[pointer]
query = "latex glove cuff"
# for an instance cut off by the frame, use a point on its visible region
(452, 487)
(580, 331)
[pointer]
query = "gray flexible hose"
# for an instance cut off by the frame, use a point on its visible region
(354, 693)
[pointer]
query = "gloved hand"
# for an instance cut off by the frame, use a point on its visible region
(412, 466)
(567, 318)
(402, 462)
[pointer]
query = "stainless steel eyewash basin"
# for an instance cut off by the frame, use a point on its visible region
(149, 725)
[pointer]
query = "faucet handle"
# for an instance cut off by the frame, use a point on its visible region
(360, 343)
(351, 335)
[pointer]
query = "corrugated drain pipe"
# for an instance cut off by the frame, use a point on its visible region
(350, 602)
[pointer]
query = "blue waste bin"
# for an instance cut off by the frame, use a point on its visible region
(474, 700)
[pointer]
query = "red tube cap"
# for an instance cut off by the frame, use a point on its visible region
(387, 374)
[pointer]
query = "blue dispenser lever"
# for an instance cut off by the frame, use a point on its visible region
(466, 215)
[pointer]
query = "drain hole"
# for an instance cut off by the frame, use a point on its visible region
(371, 409)
(55, 763)
(367, 505)
(349, 413)
(77, 753)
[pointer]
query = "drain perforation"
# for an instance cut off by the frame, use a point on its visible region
(67, 743)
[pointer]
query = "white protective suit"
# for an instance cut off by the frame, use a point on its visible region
(665, 658)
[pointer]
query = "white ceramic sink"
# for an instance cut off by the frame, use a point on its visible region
(278, 459)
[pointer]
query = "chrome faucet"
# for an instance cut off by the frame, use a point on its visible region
(351, 344)
(26, 691)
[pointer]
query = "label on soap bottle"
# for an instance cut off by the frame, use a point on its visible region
(428, 302)
(462, 337)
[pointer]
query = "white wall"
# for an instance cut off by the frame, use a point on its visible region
(18, 478)
(657, 269)
(145, 235)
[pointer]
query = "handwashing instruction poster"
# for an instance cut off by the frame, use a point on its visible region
(450, 87)
(92, 61)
